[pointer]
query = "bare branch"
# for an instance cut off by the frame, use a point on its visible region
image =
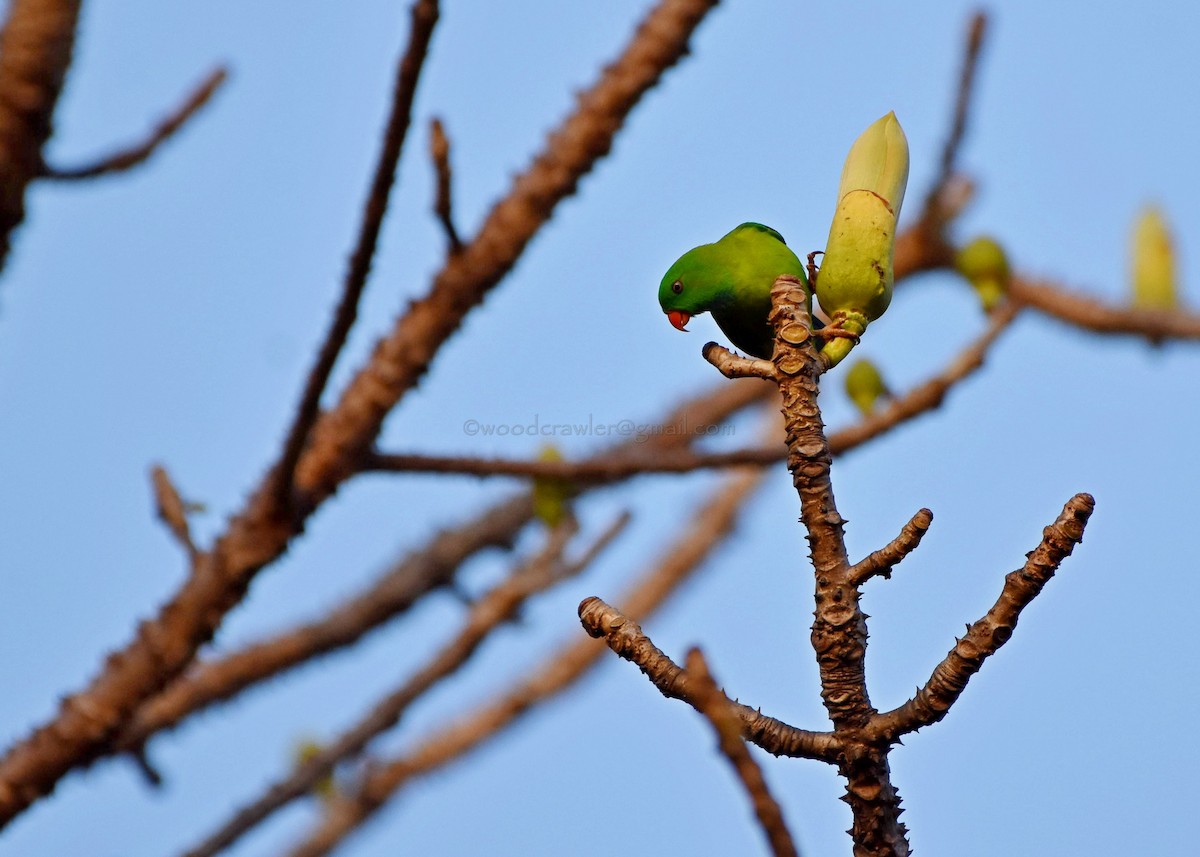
(439, 150)
(882, 561)
(733, 365)
(408, 75)
(626, 638)
(341, 437)
(976, 31)
(261, 532)
(601, 469)
(714, 705)
(125, 159)
(540, 572)
(923, 246)
(986, 636)
(35, 50)
(707, 528)
(171, 508)
(1088, 313)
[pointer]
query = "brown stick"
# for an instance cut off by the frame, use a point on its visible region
(130, 157)
(628, 641)
(35, 50)
(260, 533)
(983, 639)
(881, 562)
(439, 150)
(715, 706)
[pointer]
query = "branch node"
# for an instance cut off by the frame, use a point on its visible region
(439, 151)
(172, 509)
(881, 562)
(733, 365)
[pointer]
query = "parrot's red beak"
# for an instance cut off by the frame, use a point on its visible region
(679, 319)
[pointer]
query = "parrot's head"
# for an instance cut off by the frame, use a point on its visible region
(696, 283)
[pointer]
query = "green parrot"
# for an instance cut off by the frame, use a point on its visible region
(732, 279)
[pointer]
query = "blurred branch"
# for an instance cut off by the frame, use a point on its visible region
(341, 437)
(421, 571)
(987, 635)
(929, 395)
(715, 706)
(261, 532)
(211, 682)
(128, 158)
(932, 211)
(706, 529)
(629, 642)
(600, 469)
(641, 458)
(1090, 314)
(923, 246)
(439, 150)
(408, 75)
(499, 605)
(36, 45)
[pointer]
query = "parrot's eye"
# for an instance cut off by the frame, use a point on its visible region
(677, 286)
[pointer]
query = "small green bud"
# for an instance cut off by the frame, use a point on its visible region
(1153, 268)
(984, 264)
(304, 750)
(854, 285)
(865, 386)
(550, 496)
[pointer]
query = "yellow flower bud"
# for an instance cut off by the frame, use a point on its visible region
(550, 496)
(854, 285)
(984, 264)
(865, 386)
(1153, 269)
(304, 750)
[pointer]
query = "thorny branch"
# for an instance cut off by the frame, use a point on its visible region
(986, 636)
(881, 562)
(629, 642)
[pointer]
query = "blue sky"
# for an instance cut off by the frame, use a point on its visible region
(170, 315)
